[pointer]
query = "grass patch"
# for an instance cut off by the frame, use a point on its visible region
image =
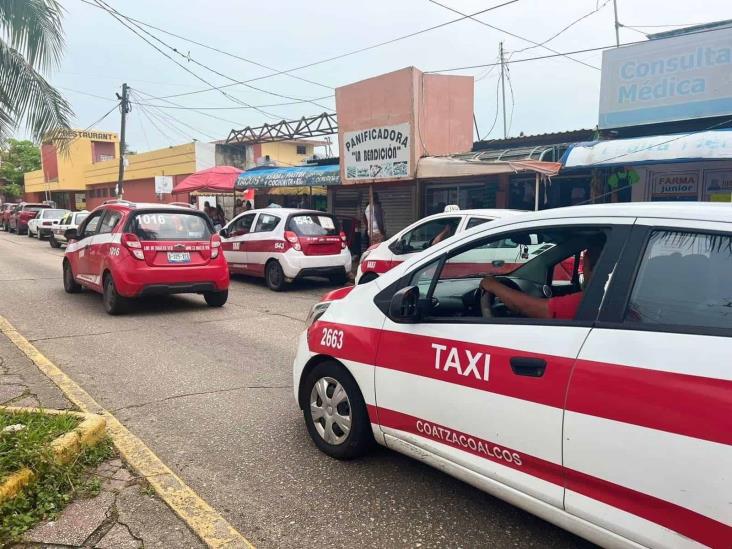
(55, 485)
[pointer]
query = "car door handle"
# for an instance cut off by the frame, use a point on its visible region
(527, 366)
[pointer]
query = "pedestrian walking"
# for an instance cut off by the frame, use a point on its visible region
(373, 218)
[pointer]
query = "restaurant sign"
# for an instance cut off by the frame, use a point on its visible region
(377, 153)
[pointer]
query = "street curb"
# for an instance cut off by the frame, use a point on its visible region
(64, 447)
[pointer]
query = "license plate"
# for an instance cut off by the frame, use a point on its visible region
(179, 257)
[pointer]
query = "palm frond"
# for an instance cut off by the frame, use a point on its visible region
(33, 27)
(28, 97)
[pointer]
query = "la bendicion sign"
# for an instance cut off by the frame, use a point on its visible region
(668, 79)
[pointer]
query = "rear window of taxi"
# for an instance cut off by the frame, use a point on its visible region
(313, 224)
(170, 226)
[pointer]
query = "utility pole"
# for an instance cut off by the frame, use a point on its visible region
(124, 105)
(617, 24)
(503, 87)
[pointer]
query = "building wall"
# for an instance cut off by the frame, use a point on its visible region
(136, 190)
(286, 152)
(170, 161)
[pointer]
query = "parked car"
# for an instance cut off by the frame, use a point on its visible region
(282, 244)
(71, 220)
(5, 210)
(40, 226)
(612, 420)
(419, 236)
(125, 250)
(22, 214)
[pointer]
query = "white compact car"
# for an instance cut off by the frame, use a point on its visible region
(71, 220)
(282, 244)
(44, 222)
(419, 236)
(606, 409)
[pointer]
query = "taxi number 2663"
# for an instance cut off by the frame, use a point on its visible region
(332, 338)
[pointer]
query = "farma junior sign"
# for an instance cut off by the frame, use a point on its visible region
(684, 77)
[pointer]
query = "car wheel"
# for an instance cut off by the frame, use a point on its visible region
(114, 303)
(70, 285)
(275, 276)
(368, 277)
(335, 412)
(216, 299)
(53, 242)
(338, 279)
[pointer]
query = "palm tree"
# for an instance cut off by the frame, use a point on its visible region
(31, 42)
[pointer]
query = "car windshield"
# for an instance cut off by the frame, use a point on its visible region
(53, 214)
(170, 226)
(34, 208)
(313, 225)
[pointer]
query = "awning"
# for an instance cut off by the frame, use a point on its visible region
(682, 147)
(216, 179)
(445, 166)
(296, 176)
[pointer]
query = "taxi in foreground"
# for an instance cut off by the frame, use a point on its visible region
(282, 244)
(125, 250)
(419, 236)
(602, 404)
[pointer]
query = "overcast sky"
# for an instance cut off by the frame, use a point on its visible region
(548, 95)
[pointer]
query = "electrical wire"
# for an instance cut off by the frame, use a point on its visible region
(163, 116)
(495, 118)
(88, 94)
(197, 76)
(149, 118)
(598, 7)
(184, 107)
(141, 101)
(537, 44)
(223, 52)
(352, 52)
(513, 103)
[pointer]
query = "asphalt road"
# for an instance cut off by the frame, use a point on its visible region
(210, 391)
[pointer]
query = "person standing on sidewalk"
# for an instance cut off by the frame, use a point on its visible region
(373, 217)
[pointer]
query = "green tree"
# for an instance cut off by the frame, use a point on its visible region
(31, 42)
(16, 158)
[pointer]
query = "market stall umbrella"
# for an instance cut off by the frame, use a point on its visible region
(216, 179)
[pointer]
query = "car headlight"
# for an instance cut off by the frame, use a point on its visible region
(316, 312)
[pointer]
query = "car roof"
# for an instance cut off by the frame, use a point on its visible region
(496, 213)
(127, 205)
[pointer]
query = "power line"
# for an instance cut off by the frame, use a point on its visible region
(88, 94)
(207, 115)
(276, 73)
(230, 97)
(183, 107)
(513, 34)
(353, 52)
(163, 116)
(572, 24)
(495, 118)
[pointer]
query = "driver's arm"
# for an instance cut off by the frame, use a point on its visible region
(517, 301)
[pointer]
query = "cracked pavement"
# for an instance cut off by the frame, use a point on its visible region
(209, 391)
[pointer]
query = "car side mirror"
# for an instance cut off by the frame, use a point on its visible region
(404, 306)
(224, 233)
(71, 234)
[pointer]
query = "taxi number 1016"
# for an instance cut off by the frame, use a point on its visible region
(332, 338)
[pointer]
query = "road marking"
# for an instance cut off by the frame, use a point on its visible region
(213, 529)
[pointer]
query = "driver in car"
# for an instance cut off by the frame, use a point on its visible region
(562, 308)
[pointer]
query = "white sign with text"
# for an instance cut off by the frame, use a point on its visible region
(377, 153)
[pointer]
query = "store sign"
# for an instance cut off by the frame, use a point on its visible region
(377, 153)
(163, 184)
(668, 79)
(718, 185)
(85, 134)
(675, 185)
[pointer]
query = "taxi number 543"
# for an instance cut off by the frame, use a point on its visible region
(332, 338)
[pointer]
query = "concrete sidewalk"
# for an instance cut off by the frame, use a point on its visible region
(125, 513)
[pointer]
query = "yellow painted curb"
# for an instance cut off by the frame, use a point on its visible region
(213, 529)
(64, 447)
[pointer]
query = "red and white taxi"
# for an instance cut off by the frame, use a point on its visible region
(419, 236)
(613, 420)
(125, 250)
(282, 244)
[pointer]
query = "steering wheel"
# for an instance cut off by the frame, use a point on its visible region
(487, 301)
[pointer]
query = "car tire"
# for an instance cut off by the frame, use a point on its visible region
(70, 285)
(274, 276)
(368, 277)
(338, 279)
(114, 303)
(53, 242)
(326, 431)
(216, 299)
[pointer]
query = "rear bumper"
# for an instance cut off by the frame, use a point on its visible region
(135, 280)
(297, 265)
(44, 231)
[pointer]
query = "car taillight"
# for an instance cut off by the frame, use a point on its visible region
(293, 239)
(133, 245)
(215, 246)
(343, 240)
